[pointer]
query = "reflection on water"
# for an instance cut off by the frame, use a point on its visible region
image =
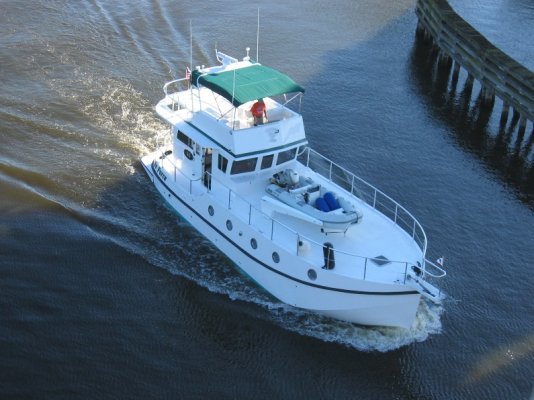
(477, 126)
(501, 358)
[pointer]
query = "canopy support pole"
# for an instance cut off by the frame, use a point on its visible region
(191, 61)
(258, 39)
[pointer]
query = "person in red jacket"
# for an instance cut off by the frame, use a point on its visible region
(259, 110)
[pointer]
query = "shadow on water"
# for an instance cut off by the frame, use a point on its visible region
(457, 101)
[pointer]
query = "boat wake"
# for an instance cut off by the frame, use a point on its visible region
(220, 277)
(214, 272)
(208, 268)
(175, 246)
(362, 338)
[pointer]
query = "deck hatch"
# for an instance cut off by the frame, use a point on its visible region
(381, 260)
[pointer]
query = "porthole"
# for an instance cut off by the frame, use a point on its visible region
(211, 211)
(312, 274)
(188, 154)
(276, 257)
(253, 243)
(229, 225)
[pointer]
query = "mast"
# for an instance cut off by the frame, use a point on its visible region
(191, 61)
(258, 39)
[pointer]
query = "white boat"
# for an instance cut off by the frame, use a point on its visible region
(251, 188)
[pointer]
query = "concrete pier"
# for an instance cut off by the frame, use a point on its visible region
(460, 45)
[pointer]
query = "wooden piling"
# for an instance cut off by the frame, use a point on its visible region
(469, 80)
(504, 113)
(515, 118)
(455, 72)
(522, 124)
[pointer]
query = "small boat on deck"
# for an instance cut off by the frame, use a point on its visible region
(311, 202)
(308, 231)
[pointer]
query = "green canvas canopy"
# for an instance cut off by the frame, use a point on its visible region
(246, 84)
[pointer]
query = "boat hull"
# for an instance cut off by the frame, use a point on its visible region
(353, 300)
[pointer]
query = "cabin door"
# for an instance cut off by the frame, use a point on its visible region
(206, 167)
(197, 160)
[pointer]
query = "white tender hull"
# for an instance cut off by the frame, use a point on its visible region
(334, 221)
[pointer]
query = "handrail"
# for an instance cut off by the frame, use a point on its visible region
(441, 271)
(195, 96)
(298, 237)
(171, 82)
(413, 223)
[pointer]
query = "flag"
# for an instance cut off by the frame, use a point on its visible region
(187, 73)
(439, 261)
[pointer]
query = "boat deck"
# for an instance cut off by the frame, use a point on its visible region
(178, 106)
(374, 249)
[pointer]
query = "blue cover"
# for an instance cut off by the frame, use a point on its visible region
(321, 204)
(332, 202)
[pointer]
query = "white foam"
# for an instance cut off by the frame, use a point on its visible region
(311, 324)
(359, 337)
(127, 125)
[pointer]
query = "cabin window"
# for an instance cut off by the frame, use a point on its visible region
(242, 166)
(222, 163)
(285, 156)
(182, 137)
(267, 161)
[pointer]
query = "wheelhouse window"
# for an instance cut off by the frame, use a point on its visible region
(182, 137)
(267, 161)
(285, 156)
(242, 166)
(222, 163)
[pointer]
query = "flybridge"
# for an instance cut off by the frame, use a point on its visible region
(217, 102)
(245, 83)
(242, 81)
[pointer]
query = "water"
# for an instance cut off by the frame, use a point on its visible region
(105, 294)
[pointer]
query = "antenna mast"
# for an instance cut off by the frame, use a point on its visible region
(258, 39)
(191, 62)
(191, 44)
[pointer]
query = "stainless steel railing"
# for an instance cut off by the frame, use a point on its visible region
(375, 198)
(291, 240)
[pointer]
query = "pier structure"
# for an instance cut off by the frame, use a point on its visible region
(456, 44)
